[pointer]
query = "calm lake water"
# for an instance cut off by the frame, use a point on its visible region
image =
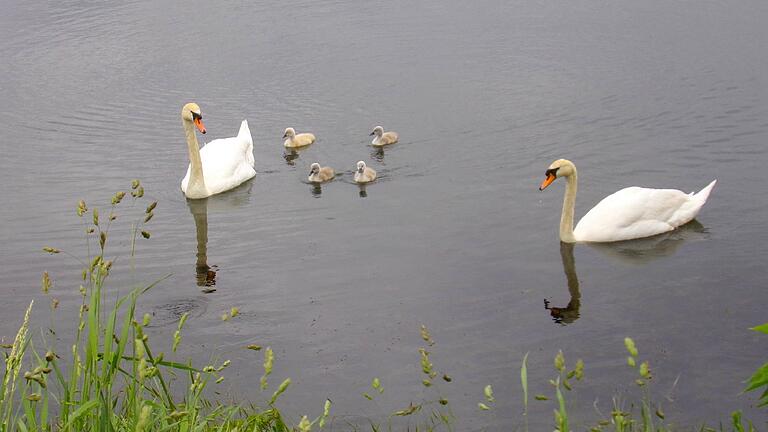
(455, 235)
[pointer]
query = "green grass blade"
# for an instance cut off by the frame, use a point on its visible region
(524, 382)
(81, 411)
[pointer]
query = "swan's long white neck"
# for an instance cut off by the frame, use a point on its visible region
(569, 203)
(196, 185)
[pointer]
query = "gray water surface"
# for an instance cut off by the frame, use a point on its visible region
(454, 235)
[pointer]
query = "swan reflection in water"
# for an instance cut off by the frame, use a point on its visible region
(204, 274)
(641, 251)
(636, 252)
(569, 313)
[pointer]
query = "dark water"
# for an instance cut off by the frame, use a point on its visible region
(455, 234)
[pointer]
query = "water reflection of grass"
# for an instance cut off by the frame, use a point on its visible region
(113, 380)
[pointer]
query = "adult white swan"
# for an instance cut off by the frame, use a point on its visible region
(630, 213)
(220, 165)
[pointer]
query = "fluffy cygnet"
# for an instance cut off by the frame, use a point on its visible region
(383, 138)
(293, 141)
(318, 174)
(364, 174)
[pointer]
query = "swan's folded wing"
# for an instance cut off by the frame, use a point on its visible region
(630, 213)
(226, 163)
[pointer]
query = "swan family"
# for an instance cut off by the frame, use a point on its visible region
(630, 213)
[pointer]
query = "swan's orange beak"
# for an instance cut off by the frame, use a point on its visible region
(547, 181)
(199, 124)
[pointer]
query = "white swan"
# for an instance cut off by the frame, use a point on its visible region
(319, 174)
(220, 165)
(364, 174)
(383, 138)
(630, 213)
(294, 141)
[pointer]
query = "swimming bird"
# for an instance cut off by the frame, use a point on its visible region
(364, 174)
(220, 165)
(383, 138)
(301, 140)
(630, 213)
(320, 175)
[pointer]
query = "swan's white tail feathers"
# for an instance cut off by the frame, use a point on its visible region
(689, 210)
(244, 132)
(703, 194)
(245, 136)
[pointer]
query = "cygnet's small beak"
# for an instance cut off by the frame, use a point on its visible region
(285, 135)
(199, 124)
(547, 181)
(372, 134)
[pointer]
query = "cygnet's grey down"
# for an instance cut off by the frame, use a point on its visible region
(293, 141)
(318, 174)
(383, 138)
(364, 174)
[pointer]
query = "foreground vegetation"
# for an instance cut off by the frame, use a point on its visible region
(113, 380)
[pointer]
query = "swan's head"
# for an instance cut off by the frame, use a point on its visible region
(191, 113)
(314, 168)
(360, 167)
(289, 132)
(378, 131)
(558, 168)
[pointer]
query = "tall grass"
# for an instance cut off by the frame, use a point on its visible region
(112, 378)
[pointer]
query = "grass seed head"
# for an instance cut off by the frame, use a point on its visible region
(579, 369)
(630, 344)
(488, 392)
(645, 370)
(560, 361)
(81, 208)
(426, 336)
(116, 198)
(46, 283)
(304, 424)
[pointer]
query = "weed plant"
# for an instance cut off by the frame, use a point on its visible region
(111, 380)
